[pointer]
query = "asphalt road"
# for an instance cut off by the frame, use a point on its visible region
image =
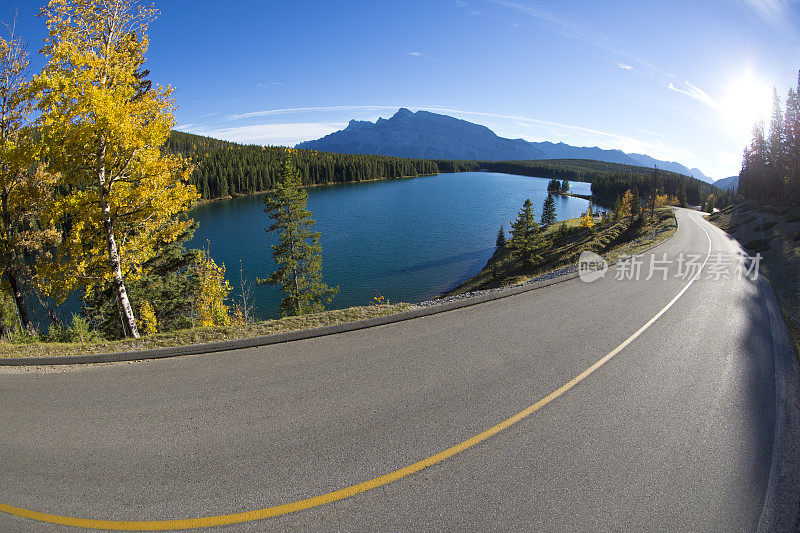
(676, 432)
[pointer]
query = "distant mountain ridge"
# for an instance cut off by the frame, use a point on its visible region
(426, 135)
(728, 184)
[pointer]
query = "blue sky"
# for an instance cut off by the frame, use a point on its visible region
(677, 80)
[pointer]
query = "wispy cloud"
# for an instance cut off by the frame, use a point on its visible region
(696, 93)
(473, 12)
(267, 134)
(776, 13)
(624, 66)
(650, 132)
(417, 53)
(270, 85)
(323, 109)
(579, 32)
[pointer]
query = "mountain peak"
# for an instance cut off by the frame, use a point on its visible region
(358, 124)
(403, 113)
(428, 135)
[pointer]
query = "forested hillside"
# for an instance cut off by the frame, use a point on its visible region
(224, 168)
(609, 180)
(228, 169)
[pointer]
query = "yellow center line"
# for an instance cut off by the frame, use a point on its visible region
(259, 514)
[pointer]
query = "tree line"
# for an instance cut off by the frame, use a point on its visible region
(771, 163)
(223, 168)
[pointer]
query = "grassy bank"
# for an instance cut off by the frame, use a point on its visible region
(200, 335)
(568, 241)
(774, 232)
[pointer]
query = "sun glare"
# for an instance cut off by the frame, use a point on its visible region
(746, 101)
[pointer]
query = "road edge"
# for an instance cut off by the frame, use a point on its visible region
(279, 338)
(781, 509)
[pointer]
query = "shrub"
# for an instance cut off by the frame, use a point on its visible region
(757, 245)
(769, 225)
(79, 330)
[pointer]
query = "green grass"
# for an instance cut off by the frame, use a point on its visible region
(34, 348)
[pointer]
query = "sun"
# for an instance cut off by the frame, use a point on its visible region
(746, 100)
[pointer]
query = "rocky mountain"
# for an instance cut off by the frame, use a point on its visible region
(424, 135)
(728, 184)
(427, 135)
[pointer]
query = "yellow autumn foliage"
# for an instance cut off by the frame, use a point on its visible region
(148, 323)
(102, 128)
(213, 290)
(587, 220)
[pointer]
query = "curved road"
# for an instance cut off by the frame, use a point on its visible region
(675, 432)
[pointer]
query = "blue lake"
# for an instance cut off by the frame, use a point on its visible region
(407, 239)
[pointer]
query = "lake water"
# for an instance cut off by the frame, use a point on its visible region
(407, 239)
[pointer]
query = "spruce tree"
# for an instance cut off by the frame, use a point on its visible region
(655, 187)
(682, 195)
(636, 204)
(791, 136)
(775, 150)
(548, 211)
(298, 254)
(525, 235)
(501, 238)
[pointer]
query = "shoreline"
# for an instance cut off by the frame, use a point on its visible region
(560, 263)
(207, 201)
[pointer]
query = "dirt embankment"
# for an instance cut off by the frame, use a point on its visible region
(774, 232)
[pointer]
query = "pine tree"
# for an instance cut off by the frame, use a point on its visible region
(619, 209)
(682, 201)
(501, 238)
(753, 176)
(655, 187)
(171, 282)
(565, 186)
(776, 160)
(709, 204)
(636, 204)
(525, 235)
(626, 207)
(548, 211)
(103, 127)
(791, 136)
(298, 254)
